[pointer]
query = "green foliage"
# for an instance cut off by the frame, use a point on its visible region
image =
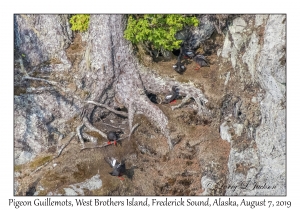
(80, 22)
(158, 29)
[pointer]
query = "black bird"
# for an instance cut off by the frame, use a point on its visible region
(118, 168)
(179, 67)
(171, 97)
(112, 136)
(186, 50)
(188, 53)
(31, 191)
(200, 60)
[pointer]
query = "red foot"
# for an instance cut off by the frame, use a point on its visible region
(121, 178)
(198, 67)
(109, 143)
(115, 142)
(173, 102)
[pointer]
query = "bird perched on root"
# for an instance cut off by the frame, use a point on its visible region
(112, 136)
(171, 97)
(118, 168)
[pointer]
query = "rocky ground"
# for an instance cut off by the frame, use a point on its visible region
(198, 164)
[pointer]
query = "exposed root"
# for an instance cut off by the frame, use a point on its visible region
(107, 107)
(103, 145)
(157, 85)
(89, 137)
(78, 132)
(22, 67)
(92, 128)
(111, 125)
(64, 146)
(106, 144)
(56, 84)
(59, 140)
(184, 100)
(132, 130)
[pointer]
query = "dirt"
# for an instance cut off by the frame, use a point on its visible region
(151, 169)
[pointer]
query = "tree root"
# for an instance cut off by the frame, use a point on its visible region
(89, 137)
(124, 114)
(64, 146)
(78, 132)
(132, 130)
(92, 128)
(157, 85)
(106, 144)
(111, 125)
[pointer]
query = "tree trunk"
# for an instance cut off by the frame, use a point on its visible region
(108, 71)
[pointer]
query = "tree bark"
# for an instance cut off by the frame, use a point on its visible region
(111, 73)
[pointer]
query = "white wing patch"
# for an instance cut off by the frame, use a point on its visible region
(114, 162)
(168, 96)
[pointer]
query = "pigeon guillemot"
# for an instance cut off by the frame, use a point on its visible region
(112, 136)
(188, 53)
(200, 60)
(171, 97)
(179, 67)
(118, 168)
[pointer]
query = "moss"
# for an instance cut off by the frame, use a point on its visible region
(80, 22)
(171, 181)
(183, 80)
(19, 90)
(39, 161)
(95, 134)
(55, 61)
(52, 181)
(185, 182)
(18, 168)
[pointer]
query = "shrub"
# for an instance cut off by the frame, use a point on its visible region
(80, 22)
(158, 29)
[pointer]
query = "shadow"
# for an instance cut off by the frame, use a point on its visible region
(130, 172)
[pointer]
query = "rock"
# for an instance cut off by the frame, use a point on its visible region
(224, 132)
(238, 128)
(227, 78)
(263, 160)
(238, 25)
(70, 192)
(208, 184)
(90, 184)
